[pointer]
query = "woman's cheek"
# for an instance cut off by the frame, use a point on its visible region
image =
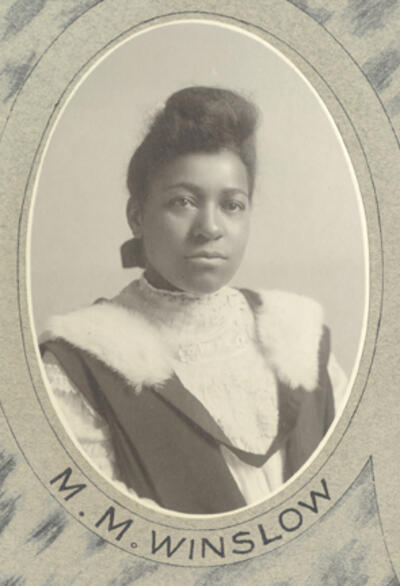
(240, 229)
(178, 228)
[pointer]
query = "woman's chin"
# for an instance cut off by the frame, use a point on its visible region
(205, 285)
(196, 282)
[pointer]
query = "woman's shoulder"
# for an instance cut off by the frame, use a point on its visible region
(105, 317)
(291, 328)
(285, 306)
(116, 335)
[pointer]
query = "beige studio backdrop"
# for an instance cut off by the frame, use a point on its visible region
(307, 232)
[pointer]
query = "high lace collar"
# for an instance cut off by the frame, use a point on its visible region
(189, 318)
(176, 294)
(216, 356)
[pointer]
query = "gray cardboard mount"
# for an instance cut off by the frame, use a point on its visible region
(350, 51)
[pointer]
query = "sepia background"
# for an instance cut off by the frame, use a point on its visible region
(306, 234)
(352, 46)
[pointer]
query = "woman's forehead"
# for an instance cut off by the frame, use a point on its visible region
(222, 169)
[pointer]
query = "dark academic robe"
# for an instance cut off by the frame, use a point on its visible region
(166, 444)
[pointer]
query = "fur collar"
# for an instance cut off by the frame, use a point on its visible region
(289, 328)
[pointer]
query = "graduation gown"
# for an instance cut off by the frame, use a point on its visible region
(166, 444)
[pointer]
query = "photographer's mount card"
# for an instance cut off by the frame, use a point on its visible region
(82, 82)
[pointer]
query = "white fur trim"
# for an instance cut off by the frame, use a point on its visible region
(105, 330)
(290, 329)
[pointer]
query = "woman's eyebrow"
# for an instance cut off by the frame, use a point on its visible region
(198, 190)
(185, 185)
(235, 190)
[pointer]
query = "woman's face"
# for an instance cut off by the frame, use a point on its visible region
(195, 221)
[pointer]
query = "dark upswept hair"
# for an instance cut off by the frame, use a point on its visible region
(195, 119)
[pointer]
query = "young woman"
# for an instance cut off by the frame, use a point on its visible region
(198, 396)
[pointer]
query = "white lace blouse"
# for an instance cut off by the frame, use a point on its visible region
(218, 358)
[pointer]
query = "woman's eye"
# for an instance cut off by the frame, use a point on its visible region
(234, 206)
(182, 202)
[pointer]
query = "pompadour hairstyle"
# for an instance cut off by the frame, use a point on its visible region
(195, 119)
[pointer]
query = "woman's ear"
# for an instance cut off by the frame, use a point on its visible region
(134, 215)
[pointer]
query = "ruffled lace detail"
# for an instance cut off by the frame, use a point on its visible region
(240, 393)
(86, 426)
(217, 357)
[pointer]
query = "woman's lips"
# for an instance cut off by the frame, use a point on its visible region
(207, 255)
(206, 258)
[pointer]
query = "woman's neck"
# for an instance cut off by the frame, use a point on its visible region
(182, 312)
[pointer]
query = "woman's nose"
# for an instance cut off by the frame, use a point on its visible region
(208, 224)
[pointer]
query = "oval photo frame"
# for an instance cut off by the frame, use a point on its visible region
(307, 174)
(278, 147)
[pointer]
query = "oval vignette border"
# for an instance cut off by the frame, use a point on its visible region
(71, 88)
(252, 26)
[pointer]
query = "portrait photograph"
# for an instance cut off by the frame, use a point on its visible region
(198, 268)
(199, 310)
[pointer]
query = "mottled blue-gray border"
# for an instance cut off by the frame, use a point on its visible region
(345, 565)
(358, 551)
(20, 238)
